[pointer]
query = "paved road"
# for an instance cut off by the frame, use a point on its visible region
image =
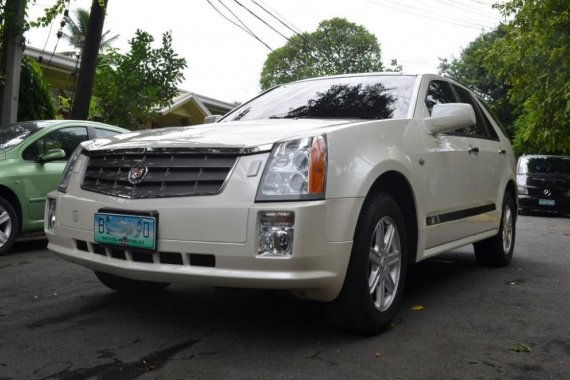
(58, 322)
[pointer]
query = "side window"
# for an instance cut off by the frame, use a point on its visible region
(99, 133)
(439, 92)
(65, 138)
(480, 128)
(495, 119)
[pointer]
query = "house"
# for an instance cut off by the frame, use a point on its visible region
(188, 108)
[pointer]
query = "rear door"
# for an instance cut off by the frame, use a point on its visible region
(491, 164)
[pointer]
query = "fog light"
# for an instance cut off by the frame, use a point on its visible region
(275, 233)
(51, 217)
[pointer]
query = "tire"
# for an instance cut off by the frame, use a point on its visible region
(376, 273)
(497, 251)
(9, 226)
(126, 285)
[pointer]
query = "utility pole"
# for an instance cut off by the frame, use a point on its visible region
(13, 44)
(84, 87)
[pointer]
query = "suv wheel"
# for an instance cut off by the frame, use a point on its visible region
(9, 226)
(376, 273)
(126, 285)
(498, 250)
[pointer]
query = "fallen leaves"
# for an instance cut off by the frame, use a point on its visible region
(520, 347)
(417, 308)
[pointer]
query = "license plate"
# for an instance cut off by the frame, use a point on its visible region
(546, 202)
(129, 231)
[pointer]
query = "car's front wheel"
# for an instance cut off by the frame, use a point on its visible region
(126, 285)
(376, 273)
(498, 250)
(9, 226)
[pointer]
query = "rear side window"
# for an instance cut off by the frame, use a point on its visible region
(439, 92)
(99, 133)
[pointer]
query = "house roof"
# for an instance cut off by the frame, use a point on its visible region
(61, 72)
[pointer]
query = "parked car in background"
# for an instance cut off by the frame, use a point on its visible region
(543, 183)
(328, 188)
(33, 155)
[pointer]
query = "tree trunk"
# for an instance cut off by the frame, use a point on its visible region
(12, 59)
(84, 87)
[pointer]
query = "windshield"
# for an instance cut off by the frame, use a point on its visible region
(13, 134)
(545, 165)
(358, 97)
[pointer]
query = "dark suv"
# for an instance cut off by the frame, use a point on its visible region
(544, 183)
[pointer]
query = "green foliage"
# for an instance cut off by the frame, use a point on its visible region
(337, 46)
(534, 59)
(471, 69)
(130, 88)
(35, 101)
(49, 15)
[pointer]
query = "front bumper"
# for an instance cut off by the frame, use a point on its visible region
(530, 203)
(224, 256)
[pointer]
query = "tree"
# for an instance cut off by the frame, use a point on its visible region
(337, 46)
(471, 69)
(534, 59)
(77, 31)
(34, 99)
(129, 88)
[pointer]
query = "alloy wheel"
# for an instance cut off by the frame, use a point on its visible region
(384, 262)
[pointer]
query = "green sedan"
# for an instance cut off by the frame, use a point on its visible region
(33, 155)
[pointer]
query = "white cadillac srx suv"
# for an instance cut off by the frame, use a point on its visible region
(329, 188)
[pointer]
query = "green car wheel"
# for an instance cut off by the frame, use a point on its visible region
(9, 226)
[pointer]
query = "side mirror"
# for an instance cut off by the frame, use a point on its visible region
(450, 116)
(51, 155)
(212, 119)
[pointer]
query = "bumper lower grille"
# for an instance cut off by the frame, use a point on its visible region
(156, 174)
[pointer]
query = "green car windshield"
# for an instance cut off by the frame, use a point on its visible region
(13, 134)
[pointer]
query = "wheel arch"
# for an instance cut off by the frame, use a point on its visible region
(397, 185)
(512, 189)
(7, 193)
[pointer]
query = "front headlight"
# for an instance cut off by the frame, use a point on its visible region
(296, 170)
(64, 181)
(522, 189)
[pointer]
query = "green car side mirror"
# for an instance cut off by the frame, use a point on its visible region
(51, 155)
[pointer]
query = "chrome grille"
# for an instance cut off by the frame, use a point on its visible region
(173, 173)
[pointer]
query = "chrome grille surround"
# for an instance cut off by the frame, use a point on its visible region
(172, 172)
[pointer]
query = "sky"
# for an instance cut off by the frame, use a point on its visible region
(225, 62)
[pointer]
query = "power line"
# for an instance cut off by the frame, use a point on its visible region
(237, 18)
(239, 26)
(297, 30)
(262, 20)
(421, 13)
(275, 17)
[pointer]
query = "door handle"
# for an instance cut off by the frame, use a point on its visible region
(473, 149)
(502, 152)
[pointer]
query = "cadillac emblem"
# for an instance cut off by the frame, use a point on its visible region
(137, 174)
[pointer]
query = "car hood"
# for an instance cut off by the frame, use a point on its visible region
(260, 134)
